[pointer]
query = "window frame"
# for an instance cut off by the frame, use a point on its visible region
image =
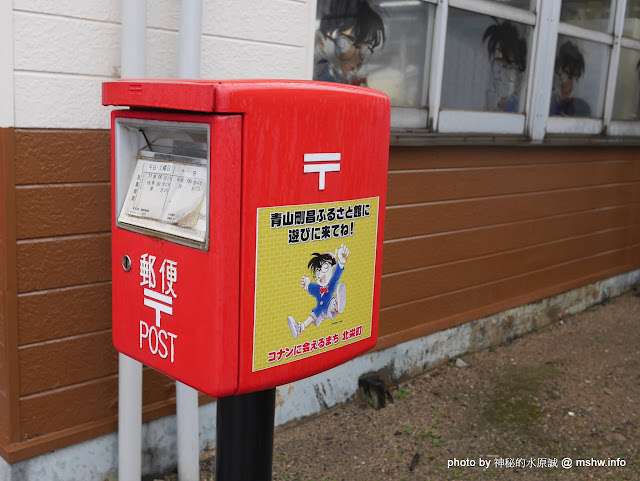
(410, 124)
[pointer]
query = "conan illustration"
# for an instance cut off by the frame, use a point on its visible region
(348, 35)
(330, 294)
(508, 54)
(569, 67)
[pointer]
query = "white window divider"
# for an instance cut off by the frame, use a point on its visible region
(546, 42)
(614, 62)
(437, 63)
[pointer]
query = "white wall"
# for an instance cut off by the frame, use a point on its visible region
(6, 65)
(64, 50)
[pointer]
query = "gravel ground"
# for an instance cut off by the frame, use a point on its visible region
(569, 393)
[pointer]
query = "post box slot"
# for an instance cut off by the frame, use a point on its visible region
(162, 179)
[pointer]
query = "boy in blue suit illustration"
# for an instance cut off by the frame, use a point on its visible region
(327, 269)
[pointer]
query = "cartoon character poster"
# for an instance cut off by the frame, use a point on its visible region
(315, 267)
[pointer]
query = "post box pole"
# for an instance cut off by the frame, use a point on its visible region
(244, 432)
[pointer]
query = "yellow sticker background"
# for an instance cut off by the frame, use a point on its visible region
(279, 270)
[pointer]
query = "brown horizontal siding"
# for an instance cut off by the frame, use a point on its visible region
(54, 364)
(53, 314)
(409, 186)
(62, 409)
(446, 157)
(429, 218)
(470, 231)
(9, 374)
(61, 262)
(56, 210)
(430, 281)
(67, 390)
(451, 246)
(407, 321)
(58, 156)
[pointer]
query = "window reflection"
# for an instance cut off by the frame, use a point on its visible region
(592, 14)
(348, 33)
(401, 68)
(579, 78)
(632, 19)
(485, 63)
(627, 96)
(376, 43)
(508, 53)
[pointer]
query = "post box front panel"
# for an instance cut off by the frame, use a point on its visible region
(314, 182)
(175, 306)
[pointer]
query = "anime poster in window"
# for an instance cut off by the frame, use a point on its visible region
(349, 32)
(315, 267)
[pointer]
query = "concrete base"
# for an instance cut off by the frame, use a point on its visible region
(96, 460)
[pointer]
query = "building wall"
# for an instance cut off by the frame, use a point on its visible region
(63, 51)
(470, 231)
(58, 372)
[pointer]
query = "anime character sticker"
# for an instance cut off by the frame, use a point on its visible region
(349, 33)
(508, 54)
(329, 292)
(569, 67)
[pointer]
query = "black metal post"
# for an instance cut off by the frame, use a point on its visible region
(244, 436)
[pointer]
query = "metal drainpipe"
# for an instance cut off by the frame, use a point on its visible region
(186, 397)
(133, 65)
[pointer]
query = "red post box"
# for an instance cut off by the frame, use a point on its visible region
(247, 227)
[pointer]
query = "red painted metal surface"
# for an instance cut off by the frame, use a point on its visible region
(258, 164)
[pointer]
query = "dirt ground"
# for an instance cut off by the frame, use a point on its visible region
(569, 393)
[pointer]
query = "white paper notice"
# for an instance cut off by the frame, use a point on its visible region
(168, 197)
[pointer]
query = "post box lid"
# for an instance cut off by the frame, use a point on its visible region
(209, 96)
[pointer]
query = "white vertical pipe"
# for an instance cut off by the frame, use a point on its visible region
(190, 36)
(186, 397)
(134, 39)
(188, 442)
(133, 62)
(309, 64)
(129, 418)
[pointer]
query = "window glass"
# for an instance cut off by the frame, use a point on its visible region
(579, 78)
(485, 63)
(627, 96)
(592, 14)
(378, 44)
(632, 19)
(401, 68)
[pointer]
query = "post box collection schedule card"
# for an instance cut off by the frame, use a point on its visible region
(168, 197)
